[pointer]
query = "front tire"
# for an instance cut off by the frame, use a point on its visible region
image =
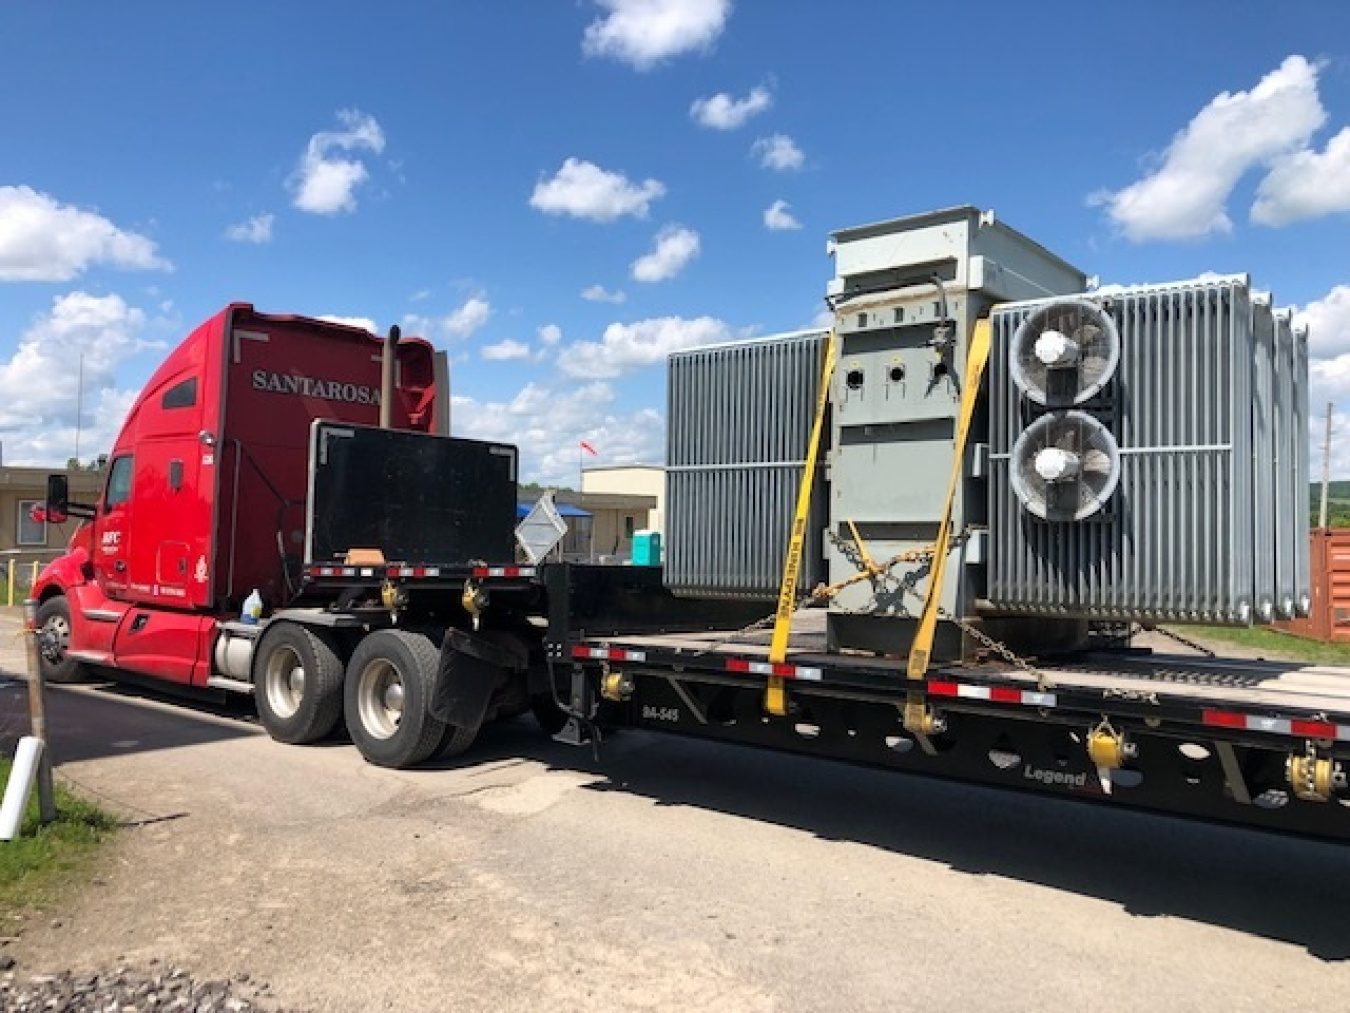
(297, 683)
(387, 700)
(53, 630)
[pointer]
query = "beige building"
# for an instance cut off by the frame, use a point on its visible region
(24, 541)
(600, 526)
(631, 480)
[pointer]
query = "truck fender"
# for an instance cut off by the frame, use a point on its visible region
(61, 575)
(471, 667)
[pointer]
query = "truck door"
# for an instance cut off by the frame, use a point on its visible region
(112, 546)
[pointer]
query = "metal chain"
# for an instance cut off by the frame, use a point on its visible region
(824, 591)
(970, 629)
(1185, 641)
(753, 627)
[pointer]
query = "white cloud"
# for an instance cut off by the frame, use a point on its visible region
(1328, 323)
(468, 318)
(1306, 185)
(549, 424)
(1330, 384)
(257, 229)
(625, 347)
(460, 322)
(823, 320)
(68, 360)
(506, 351)
(723, 112)
(778, 152)
(674, 248)
(550, 334)
(642, 33)
(1185, 197)
(598, 293)
(365, 323)
(584, 190)
(778, 217)
(43, 240)
(325, 181)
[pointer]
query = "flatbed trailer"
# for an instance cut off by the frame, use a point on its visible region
(1258, 743)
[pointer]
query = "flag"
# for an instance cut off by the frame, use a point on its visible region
(587, 447)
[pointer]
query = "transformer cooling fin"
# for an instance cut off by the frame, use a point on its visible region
(1064, 352)
(1065, 466)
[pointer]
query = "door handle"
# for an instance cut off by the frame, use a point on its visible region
(120, 565)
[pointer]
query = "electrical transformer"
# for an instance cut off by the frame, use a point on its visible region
(738, 424)
(1149, 456)
(906, 294)
(1135, 454)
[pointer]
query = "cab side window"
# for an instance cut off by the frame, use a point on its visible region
(119, 483)
(182, 395)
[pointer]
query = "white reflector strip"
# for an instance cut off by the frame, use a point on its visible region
(607, 654)
(1296, 727)
(994, 694)
(768, 668)
(503, 571)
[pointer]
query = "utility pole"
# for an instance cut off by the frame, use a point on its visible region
(1326, 470)
(79, 408)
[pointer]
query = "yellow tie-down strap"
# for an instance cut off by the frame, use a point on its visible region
(775, 697)
(922, 646)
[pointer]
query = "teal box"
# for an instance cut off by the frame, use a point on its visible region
(646, 548)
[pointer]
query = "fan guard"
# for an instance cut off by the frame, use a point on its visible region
(1064, 352)
(1065, 466)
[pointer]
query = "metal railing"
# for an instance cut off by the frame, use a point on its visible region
(17, 575)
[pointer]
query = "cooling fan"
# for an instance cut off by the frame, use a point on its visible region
(1065, 466)
(1064, 352)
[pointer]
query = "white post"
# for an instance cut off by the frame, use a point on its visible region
(27, 760)
(37, 708)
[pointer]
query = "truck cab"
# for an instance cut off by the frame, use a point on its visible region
(206, 487)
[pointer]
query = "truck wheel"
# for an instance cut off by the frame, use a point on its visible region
(297, 683)
(390, 681)
(456, 741)
(53, 628)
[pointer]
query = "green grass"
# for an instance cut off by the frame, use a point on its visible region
(1273, 644)
(40, 864)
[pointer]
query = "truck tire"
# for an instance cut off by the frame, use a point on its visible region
(456, 741)
(387, 699)
(297, 683)
(53, 628)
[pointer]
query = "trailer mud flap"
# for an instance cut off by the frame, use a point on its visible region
(471, 668)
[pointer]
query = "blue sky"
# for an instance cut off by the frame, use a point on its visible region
(560, 192)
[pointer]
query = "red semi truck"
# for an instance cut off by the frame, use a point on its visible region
(309, 462)
(212, 496)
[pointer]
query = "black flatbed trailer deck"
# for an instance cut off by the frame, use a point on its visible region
(1211, 737)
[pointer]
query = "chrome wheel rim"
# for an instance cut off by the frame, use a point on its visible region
(55, 639)
(380, 698)
(284, 681)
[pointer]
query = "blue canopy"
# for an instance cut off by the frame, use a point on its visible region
(564, 510)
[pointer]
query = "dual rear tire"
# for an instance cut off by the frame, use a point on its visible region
(384, 692)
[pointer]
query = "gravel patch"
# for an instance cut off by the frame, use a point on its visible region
(129, 989)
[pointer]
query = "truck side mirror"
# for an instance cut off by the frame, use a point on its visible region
(58, 506)
(58, 497)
